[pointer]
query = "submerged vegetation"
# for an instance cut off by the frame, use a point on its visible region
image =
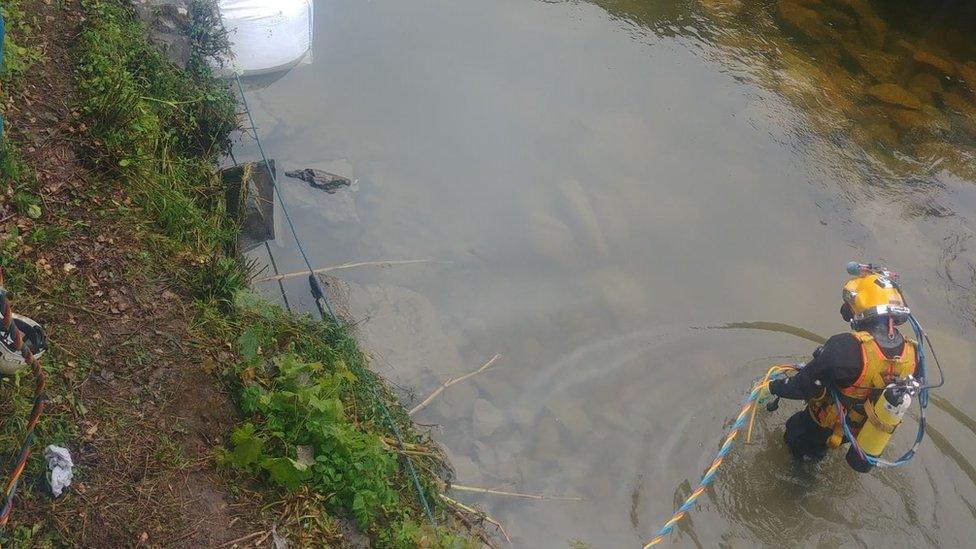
(891, 82)
(898, 79)
(137, 239)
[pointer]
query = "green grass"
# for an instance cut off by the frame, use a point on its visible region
(57, 426)
(46, 235)
(161, 129)
(22, 180)
(14, 172)
(315, 421)
(18, 58)
(314, 410)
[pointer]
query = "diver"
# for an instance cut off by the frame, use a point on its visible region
(869, 373)
(858, 386)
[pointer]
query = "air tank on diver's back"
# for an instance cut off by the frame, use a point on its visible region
(884, 414)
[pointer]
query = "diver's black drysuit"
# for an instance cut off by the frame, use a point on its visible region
(838, 364)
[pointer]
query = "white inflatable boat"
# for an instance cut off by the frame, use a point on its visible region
(267, 36)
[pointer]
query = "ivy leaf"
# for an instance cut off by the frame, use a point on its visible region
(247, 446)
(250, 343)
(348, 376)
(286, 471)
(341, 369)
(290, 366)
(251, 399)
(330, 409)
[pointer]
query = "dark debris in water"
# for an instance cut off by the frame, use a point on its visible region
(328, 182)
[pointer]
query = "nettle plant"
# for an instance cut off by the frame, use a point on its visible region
(301, 431)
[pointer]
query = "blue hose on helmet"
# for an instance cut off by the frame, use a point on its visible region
(923, 396)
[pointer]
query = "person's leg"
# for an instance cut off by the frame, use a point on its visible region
(805, 439)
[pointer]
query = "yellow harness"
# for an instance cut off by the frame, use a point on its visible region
(877, 371)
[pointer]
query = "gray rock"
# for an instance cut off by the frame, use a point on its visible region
(251, 202)
(573, 417)
(458, 400)
(487, 457)
(465, 468)
(169, 23)
(495, 387)
(508, 467)
(340, 207)
(548, 444)
(487, 418)
(306, 455)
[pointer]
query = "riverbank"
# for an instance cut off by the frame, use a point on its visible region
(196, 414)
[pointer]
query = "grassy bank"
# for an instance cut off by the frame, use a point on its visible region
(163, 368)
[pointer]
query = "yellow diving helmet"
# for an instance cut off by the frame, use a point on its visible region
(873, 292)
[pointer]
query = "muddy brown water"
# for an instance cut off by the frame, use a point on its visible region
(610, 182)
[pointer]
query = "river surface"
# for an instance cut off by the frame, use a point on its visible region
(600, 186)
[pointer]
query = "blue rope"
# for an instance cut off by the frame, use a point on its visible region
(409, 462)
(320, 296)
(313, 280)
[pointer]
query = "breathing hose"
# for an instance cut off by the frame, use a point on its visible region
(923, 401)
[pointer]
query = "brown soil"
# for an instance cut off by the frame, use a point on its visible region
(147, 415)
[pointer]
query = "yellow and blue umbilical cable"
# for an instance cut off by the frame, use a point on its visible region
(743, 420)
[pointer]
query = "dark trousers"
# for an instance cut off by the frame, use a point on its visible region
(805, 439)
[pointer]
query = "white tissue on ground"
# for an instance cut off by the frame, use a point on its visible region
(59, 465)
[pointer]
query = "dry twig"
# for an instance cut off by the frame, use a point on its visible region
(512, 494)
(448, 383)
(244, 538)
(297, 274)
(481, 514)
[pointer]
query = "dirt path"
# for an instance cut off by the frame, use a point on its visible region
(131, 389)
